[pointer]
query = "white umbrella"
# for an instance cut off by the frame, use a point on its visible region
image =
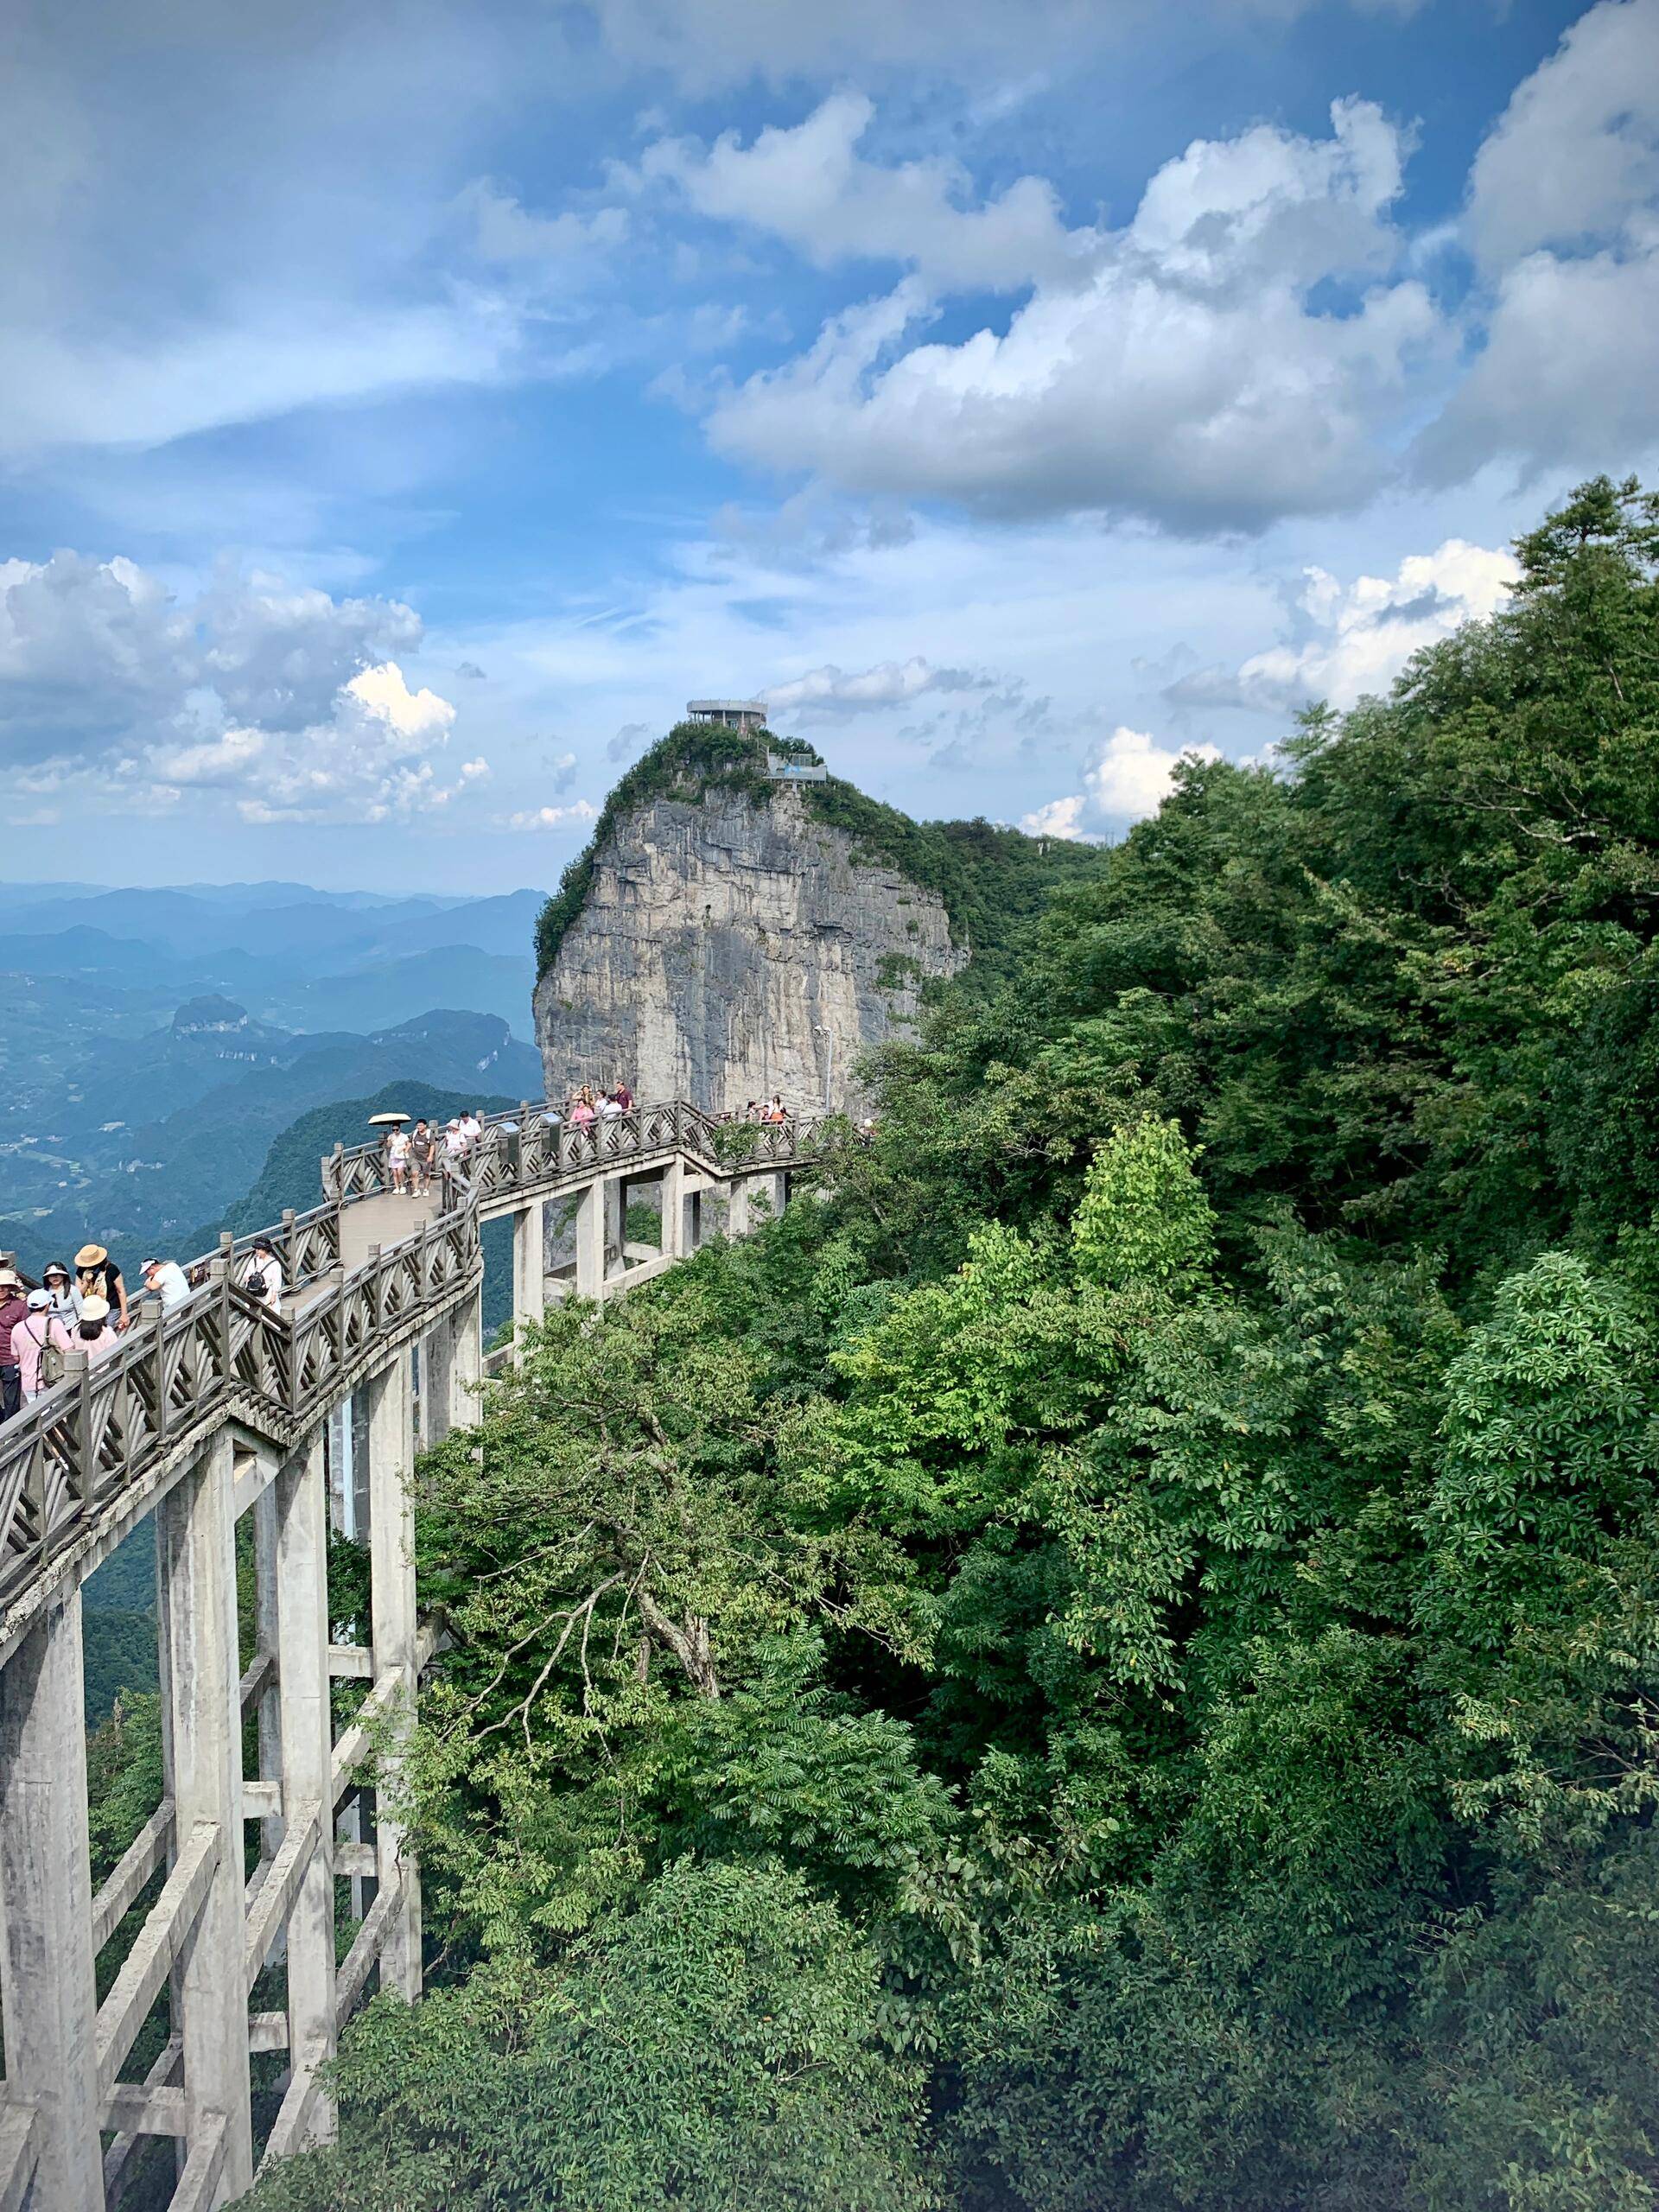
(386, 1120)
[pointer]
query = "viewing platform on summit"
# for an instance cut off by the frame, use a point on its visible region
(301, 1416)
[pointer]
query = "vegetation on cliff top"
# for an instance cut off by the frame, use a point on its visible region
(991, 880)
(1110, 1663)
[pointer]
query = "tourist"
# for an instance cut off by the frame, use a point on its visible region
(165, 1279)
(454, 1141)
(42, 1341)
(14, 1307)
(262, 1274)
(422, 1150)
(582, 1116)
(397, 1159)
(776, 1113)
(93, 1333)
(609, 1110)
(624, 1097)
(97, 1276)
(470, 1128)
(56, 1281)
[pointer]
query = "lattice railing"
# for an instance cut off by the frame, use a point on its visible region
(93, 1437)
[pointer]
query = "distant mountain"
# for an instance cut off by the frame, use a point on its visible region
(150, 1177)
(391, 991)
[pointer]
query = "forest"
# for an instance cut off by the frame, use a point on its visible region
(1106, 1661)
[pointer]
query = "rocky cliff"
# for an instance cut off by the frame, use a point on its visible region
(729, 943)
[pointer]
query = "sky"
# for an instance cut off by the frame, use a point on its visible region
(405, 409)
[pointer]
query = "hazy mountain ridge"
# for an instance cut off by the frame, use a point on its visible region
(153, 1044)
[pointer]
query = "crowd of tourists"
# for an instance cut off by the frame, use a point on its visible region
(415, 1156)
(86, 1308)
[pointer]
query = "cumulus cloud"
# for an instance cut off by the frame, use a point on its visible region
(1190, 379)
(1578, 146)
(808, 185)
(1127, 776)
(548, 818)
(1562, 221)
(826, 694)
(1348, 639)
(285, 704)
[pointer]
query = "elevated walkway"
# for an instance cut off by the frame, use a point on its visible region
(291, 1416)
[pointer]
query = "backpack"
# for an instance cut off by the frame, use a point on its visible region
(51, 1355)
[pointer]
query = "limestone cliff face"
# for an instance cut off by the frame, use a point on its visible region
(729, 948)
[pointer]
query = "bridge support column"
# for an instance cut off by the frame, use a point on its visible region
(529, 1263)
(306, 1747)
(590, 1241)
(195, 1532)
(392, 1582)
(437, 1388)
(673, 1229)
(467, 1361)
(46, 1902)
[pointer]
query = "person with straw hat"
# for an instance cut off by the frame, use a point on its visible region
(97, 1276)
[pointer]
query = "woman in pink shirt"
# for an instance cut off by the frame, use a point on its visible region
(94, 1335)
(39, 1328)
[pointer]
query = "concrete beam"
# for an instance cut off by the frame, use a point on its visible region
(529, 1263)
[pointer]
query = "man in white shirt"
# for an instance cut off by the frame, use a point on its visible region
(165, 1279)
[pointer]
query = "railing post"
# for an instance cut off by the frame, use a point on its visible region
(78, 1372)
(391, 1588)
(195, 1542)
(46, 1907)
(150, 1315)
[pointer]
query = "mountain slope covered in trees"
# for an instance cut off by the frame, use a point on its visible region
(1109, 1659)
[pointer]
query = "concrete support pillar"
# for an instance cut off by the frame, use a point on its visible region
(301, 1516)
(673, 1230)
(195, 1535)
(529, 1263)
(392, 1570)
(466, 1362)
(590, 1242)
(51, 1999)
(264, 1630)
(616, 1199)
(437, 1388)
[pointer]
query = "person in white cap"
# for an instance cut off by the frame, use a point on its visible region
(41, 1342)
(165, 1279)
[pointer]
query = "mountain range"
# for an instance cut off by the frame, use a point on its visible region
(154, 1042)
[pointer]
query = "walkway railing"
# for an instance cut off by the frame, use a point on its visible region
(79, 1448)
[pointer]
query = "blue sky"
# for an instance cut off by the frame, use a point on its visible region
(404, 409)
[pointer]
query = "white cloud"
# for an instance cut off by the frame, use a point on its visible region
(505, 231)
(1126, 775)
(1348, 639)
(1191, 380)
(1562, 221)
(828, 693)
(548, 818)
(283, 703)
(808, 185)
(1061, 817)
(1578, 146)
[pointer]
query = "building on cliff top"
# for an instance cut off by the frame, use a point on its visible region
(733, 714)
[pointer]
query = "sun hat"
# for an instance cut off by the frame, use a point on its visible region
(10, 1280)
(94, 1309)
(38, 1300)
(56, 1267)
(90, 1255)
